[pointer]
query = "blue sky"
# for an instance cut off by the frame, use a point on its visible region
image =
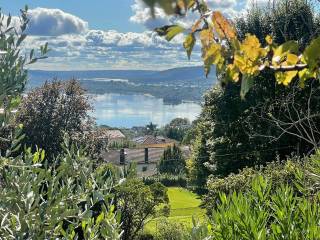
(101, 14)
(107, 34)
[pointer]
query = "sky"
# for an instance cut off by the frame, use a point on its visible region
(107, 34)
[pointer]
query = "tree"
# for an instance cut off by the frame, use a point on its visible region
(137, 202)
(151, 129)
(51, 111)
(172, 161)
(177, 128)
(233, 130)
(13, 75)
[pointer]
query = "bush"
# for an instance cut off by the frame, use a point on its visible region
(167, 180)
(280, 201)
(278, 173)
(137, 202)
(167, 230)
(67, 199)
(264, 213)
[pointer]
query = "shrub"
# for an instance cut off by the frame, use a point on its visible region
(67, 199)
(167, 230)
(264, 213)
(137, 202)
(167, 180)
(280, 201)
(278, 173)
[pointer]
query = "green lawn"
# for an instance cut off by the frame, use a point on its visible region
(184, 205)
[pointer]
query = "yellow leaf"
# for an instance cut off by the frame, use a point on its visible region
(212, 56)
(223, 27)
(281, 52)
(269, 40)
(189, 44)
(169, 31)
(206, 37)
(285, 78)
(232, 72)
(248, 57)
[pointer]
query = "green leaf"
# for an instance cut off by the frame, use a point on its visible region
(189, 44)
(21, 39)
(169, 31)
(311, 54)
(304, 75)
(246, 84)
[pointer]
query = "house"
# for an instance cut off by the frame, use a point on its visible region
(150, 141)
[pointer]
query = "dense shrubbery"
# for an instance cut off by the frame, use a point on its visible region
(279, 201)
(67, 199)
(277, 173)
(168, 180)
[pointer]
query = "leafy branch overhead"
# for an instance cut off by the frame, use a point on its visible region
(13, 60)
(238, 60)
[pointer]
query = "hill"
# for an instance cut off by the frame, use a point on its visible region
(173, 85)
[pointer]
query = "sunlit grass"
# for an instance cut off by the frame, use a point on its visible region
(184, 205)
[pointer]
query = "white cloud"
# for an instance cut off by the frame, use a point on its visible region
(142, 13)
(230, 8)
(54, 22)
(98, 49)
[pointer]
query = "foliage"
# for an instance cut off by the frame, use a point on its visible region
(137, 202)
(168, 180)
(51, 111)
(266, 214)
(116, 145)
(237, 133)
(197, 168)
(275, 172)
(177, 129)
(68, 199)
(241, 59)
(151, 129)
(13, 60)
(172, 161)
(170, 230)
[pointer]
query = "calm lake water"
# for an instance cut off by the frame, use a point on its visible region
(119, 110)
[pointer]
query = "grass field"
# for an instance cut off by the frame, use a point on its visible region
(183, 206)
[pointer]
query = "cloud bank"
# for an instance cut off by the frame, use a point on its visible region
(75, 46)
(55, 22)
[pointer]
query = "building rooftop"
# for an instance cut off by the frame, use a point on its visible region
(149, 139)
(114, 134)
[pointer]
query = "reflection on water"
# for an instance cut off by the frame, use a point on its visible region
(138, 110)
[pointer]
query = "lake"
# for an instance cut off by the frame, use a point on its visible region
(118, 110)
